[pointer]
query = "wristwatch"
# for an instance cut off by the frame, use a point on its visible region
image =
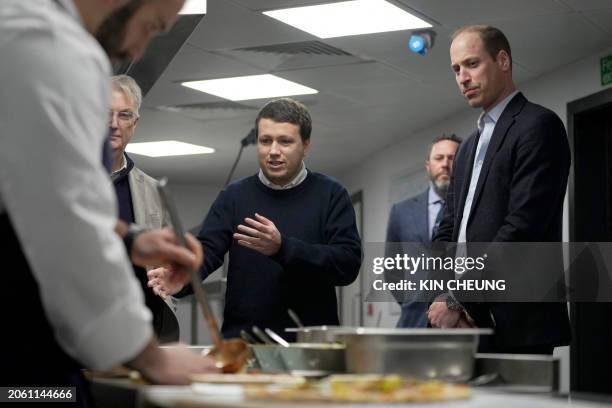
(452, 303)
(132, 232)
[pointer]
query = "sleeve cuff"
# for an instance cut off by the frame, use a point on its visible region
(284, 252)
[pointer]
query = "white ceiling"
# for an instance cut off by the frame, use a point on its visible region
(368, 100)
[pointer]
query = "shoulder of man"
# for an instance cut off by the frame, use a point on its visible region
(540, 113)
(323, 182)
(239, 188)
(324, 179)
(63, 30)
(240, 184)
(141, 176)
(412, 201)
(537, 121)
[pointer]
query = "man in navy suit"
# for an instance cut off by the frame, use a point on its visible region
(508, 185)
(415, 219)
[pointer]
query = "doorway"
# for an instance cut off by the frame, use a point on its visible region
(590, 220)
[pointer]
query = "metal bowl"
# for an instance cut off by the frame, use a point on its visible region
(269, 358)
(447, 354)
(314, 357)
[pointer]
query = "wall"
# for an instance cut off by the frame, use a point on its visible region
(193, 201)
(374, 176)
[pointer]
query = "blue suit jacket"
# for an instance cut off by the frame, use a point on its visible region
(408, 222)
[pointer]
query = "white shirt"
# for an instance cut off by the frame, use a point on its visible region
(54, 102)
(297, 180)
(486, 126)
(114, 174)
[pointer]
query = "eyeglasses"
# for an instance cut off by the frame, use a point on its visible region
(125, 117)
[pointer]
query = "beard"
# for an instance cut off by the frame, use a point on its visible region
(441, 187)
(111, 33)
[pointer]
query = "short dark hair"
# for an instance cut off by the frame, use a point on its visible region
(493, 39)
(287, 110)
(452, 137)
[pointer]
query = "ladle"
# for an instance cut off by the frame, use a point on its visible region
(231, 355)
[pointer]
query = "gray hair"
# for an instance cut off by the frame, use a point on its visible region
(129, 87)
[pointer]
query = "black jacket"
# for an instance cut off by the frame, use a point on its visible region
(518, 198)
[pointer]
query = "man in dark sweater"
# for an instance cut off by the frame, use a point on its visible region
(290, 233)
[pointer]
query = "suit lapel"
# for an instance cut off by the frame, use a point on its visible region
(422, 216)
(137, 186)
(465, 185)
(503, 125)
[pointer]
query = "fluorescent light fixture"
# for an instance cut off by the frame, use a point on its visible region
(250, 87)
(348, 18)
(194, 7)
(167, 148)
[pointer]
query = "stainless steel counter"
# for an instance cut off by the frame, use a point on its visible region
(520, 381)
(164, 396)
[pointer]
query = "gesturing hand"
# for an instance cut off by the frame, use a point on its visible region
(261, 235)
(167, 282)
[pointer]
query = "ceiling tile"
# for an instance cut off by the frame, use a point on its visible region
(192, 63)
(543, 43)
(588, 4)
(392, 48)
(454, 14)
(338, 77)
(229, 26)
(602, 19)
(261, 5)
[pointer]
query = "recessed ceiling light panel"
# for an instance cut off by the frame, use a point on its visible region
(348, 18)
(194, 7)
(250, 87)
(167, 148)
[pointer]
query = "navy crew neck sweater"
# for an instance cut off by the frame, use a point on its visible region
(320, 250)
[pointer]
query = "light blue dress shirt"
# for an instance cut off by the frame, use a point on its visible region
(486, 126)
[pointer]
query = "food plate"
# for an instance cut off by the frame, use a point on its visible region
(248, 379)
(362, 389)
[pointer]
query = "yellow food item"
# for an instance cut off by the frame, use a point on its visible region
(365, 388)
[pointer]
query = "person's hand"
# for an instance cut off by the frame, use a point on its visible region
(441, 316)
(159, 247)
(465, 322)
(171, 365)
(261, 235)
(167, 282)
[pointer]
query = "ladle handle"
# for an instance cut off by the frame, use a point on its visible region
(200, 296)
(196, 282)
(295, 318)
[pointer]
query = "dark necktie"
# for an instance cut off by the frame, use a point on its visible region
(438, 218)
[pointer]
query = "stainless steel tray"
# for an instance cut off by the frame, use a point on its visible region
(446, 354)
(317, 334)
(520, 372)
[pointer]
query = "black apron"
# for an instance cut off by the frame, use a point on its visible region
(31, 356)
